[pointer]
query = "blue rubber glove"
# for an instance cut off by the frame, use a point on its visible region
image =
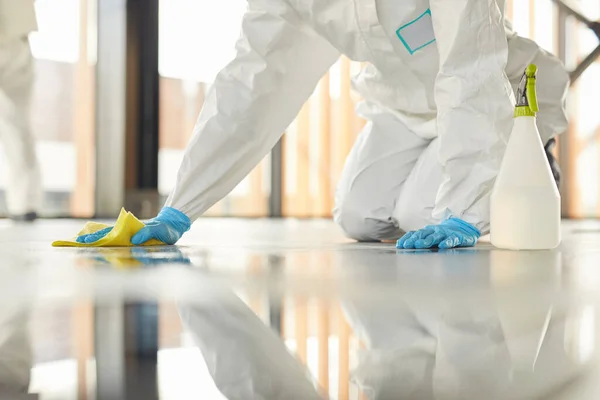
(451, 233)
(168, 227)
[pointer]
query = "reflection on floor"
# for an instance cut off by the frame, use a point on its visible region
(291, 310)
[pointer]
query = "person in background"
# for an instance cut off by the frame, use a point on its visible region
(438, 95)
(23, 190)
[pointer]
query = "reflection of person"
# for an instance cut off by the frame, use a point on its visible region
(463, 342)
(23, 191)
(437, 96)
(467, 333)
(16, 357)
(456, 350)
(245, 358)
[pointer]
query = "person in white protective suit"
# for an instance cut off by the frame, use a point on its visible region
(437, 97)
(23, 190)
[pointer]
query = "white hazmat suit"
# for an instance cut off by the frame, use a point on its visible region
(438, 101)
(23, 191)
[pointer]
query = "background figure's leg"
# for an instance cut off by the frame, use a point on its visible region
(24, 192)
(556, 172)
(245, 358)
(417, 199)
(384, 154)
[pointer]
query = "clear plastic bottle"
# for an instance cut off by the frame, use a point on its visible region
(525, 202)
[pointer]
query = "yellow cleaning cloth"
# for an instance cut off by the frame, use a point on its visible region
(126, 226)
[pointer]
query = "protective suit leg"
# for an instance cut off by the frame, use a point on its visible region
(16, 78)
(381, 160)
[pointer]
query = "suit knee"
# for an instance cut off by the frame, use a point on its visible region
(362, 227)
(411, 218)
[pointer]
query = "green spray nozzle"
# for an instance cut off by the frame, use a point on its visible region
(527, 104)
(531, 74)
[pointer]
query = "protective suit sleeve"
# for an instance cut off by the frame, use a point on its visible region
(475, 105)
(278, 64)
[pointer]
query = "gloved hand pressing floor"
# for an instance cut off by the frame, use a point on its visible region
(451, 233)
(168, 227)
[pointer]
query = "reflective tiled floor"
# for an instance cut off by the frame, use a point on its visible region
(259, 309)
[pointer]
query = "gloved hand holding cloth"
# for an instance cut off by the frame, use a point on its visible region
(167, 227)
(451, 233)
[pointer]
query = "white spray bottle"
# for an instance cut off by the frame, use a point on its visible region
(525, 202)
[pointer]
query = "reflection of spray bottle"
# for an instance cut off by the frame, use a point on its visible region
(525, 287)
(525, 203)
